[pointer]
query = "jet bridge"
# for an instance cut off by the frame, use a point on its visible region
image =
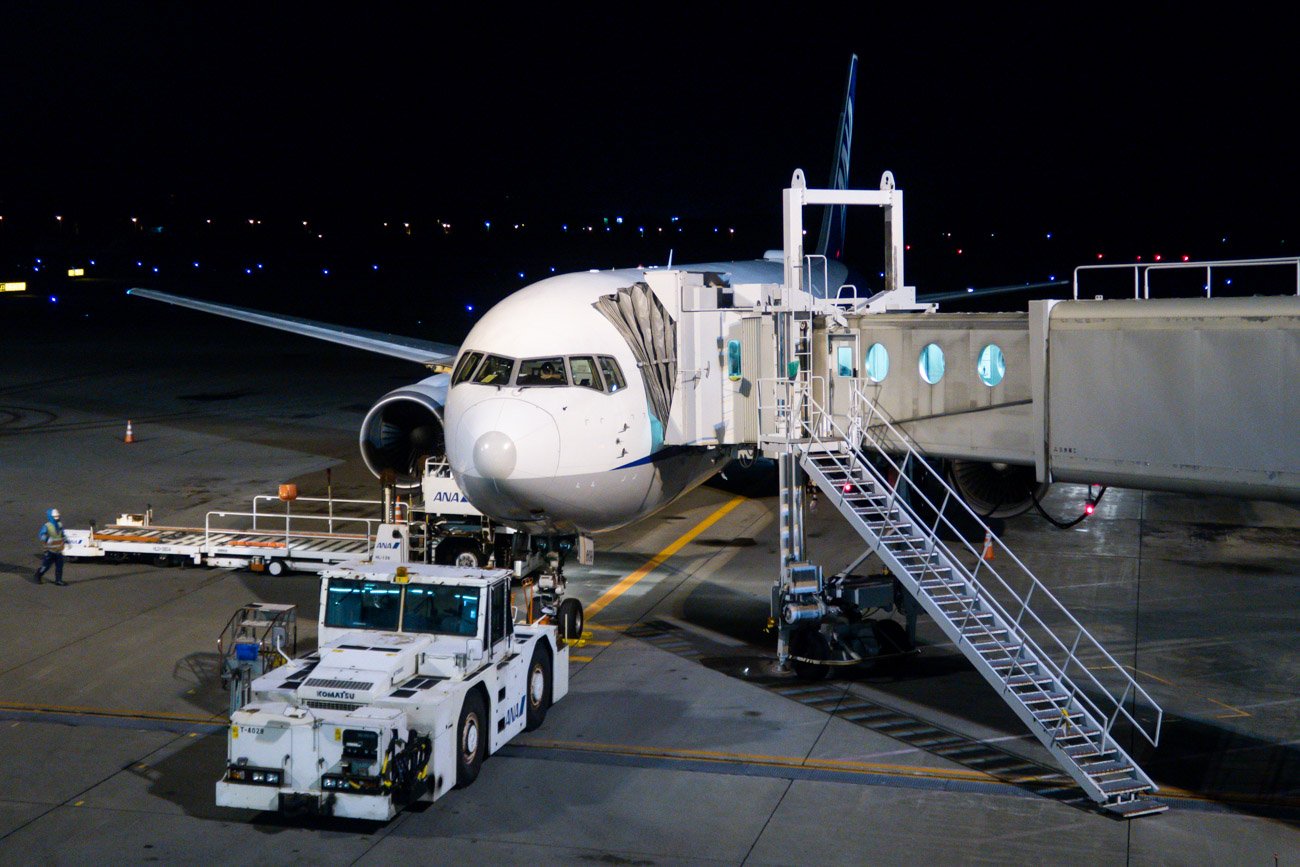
(1192, 395)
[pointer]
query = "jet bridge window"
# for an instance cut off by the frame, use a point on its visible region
(992, 365)
(465, 369)
(733, 360)
(583, 368)
(447, 609)
(542, 371)
(495, 370)
(931, 364)
(356, 604)
(613, 375)
(844, 361)
(877, 362)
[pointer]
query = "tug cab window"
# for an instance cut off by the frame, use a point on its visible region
(613, 376)
(542, 371)
(446, 609)
(495, 370)
(583, 368)
(354, 604)
(468, 362)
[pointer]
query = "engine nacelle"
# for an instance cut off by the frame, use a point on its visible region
(403, 428)
(995, 490)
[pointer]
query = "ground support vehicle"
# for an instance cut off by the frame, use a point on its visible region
(274, 542)
(421, 674)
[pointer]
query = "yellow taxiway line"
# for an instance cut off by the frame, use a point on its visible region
(657, 560)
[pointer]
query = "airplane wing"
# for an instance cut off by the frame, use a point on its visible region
(407, 348)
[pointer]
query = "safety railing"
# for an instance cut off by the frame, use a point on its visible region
(274, 628)
(784, 401)
(1142, 271)
(437, 467)
(284, 538)
(1018, 612)
(328, 502)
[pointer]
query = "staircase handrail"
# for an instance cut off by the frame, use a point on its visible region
(824, 421)
(862, 399)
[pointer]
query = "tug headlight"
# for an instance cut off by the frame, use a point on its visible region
(255, 776)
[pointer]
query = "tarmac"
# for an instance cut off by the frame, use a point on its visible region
(679, 742)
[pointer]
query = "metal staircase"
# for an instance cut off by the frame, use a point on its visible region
(1066, 688)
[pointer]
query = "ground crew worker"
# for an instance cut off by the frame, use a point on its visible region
(52, 535)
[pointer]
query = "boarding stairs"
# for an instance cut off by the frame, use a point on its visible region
(1066, 688)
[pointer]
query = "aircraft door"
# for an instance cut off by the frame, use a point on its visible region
(842, 367)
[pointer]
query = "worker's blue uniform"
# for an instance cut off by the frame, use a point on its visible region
(51, 535)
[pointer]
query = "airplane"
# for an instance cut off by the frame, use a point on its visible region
(545, 413)
(552, 411)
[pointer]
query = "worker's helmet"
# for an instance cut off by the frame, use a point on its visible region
(54, 513)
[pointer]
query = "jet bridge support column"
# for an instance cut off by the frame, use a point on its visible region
(791, 482)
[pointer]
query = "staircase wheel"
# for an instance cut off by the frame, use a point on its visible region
(891, 637)
(808, 643)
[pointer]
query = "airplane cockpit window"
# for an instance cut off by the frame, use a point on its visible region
(495, 370)
(584, 372)
(542, 371)
(465, 369)
(613, 375)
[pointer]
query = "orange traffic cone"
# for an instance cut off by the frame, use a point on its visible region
(129, 438)
(988, 546)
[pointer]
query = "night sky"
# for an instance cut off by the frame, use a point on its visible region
(1125, 130)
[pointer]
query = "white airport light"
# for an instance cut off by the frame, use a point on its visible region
(13, 287)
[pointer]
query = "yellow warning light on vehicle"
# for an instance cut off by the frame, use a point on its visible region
(76, 272)
(13, 287)
(401, 577)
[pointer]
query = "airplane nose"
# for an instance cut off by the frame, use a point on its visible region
(505, 438)
(495, 455)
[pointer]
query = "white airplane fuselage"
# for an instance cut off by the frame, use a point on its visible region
(563, 458)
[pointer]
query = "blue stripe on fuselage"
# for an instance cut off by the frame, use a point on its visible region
(661, 454)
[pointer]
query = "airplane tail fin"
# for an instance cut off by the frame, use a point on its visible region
(831, 242)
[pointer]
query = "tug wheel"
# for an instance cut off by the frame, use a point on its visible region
(471, 739)
(539, 687)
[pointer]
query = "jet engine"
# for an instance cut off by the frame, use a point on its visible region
(403, 428)
(996, 490)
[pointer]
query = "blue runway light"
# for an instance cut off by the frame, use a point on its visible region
(54, 299)
(248, 270)
(325, 271)
(259, 266)
(521, 275)
(374, 267)
(469, 308)
(155, 269)
(196, 264)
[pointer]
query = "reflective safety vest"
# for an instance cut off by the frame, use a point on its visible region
(53, 537)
